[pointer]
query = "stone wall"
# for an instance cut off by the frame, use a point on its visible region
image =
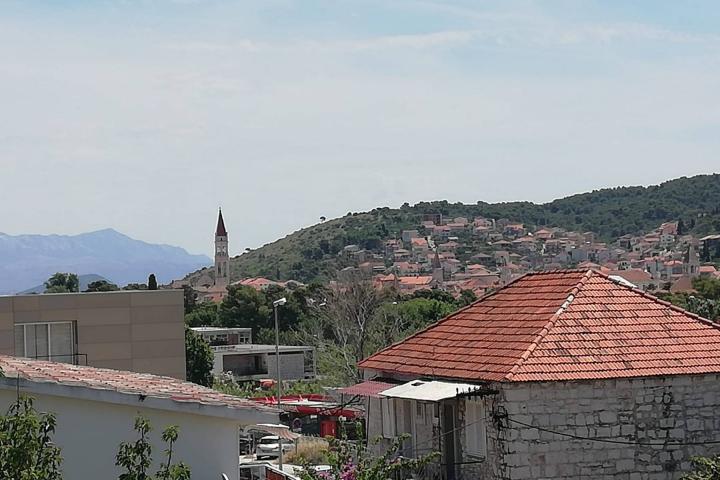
(657, 410)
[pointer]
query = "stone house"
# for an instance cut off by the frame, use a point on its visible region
(559, 375)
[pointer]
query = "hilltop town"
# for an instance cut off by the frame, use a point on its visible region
(482, 254)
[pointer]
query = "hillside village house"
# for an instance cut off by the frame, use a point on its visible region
(96, 408)
(139, 330)
(559, 375)
(236, 355)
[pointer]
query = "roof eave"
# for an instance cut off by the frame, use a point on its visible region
(244, 416)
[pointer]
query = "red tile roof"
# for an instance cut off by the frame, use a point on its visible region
(420, 280)
(369, 388)
(632, 275)
(560, 325)
(120, 381)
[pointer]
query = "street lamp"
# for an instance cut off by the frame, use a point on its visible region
(276, 304)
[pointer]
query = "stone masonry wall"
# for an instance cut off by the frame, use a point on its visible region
(657, 410)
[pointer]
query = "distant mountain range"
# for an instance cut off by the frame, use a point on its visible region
(28, 260)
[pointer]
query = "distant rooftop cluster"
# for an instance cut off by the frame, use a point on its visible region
(482, 254)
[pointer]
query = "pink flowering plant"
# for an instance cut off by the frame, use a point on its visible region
(354, 461)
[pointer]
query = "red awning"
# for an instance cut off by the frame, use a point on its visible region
(369, 388)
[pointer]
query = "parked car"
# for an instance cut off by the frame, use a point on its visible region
(269, 447)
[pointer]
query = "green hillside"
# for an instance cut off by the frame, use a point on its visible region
(311, 253)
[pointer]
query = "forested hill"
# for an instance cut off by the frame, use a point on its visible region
(311, 253)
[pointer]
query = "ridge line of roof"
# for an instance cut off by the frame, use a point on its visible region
(549, 325)
(452, 314)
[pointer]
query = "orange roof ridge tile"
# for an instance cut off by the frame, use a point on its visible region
(551, 323)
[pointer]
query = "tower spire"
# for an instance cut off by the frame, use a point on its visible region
(220, 229)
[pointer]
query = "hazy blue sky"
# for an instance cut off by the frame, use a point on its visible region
(145, 116)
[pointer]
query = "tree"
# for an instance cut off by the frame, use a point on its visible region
(204, 315)
(27, 451)
(62, 283)
(135, 286)
(189, 298)
(434, 294)
(152, 282)
(681, 227)
(708, 288)
(244, 306)
(466, 298)
(704, 468)
(705, 253)
(136, 457)
(101, 286)
(199, 359)
(343, 318)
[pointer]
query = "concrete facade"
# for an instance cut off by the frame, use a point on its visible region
(654, 425)
(140, 331)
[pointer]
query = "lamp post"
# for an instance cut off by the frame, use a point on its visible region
(276, 304)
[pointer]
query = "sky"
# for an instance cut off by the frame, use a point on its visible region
(146, 116)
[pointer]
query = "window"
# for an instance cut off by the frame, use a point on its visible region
(53, 341)
(475, 431)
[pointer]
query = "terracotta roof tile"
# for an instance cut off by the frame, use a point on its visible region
(560, 325)
(120, 381)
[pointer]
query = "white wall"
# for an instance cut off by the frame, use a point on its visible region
(89, 433)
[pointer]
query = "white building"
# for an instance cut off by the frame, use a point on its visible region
(224, 336)
(96, 408)
(235, 354)
(257, 362)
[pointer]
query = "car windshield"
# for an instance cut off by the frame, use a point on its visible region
(268, 440)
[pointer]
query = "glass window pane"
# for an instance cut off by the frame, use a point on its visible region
(30, 341)
(61, 346)
(19, 340)
(41, 341)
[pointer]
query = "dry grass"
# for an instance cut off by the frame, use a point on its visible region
(309, 450)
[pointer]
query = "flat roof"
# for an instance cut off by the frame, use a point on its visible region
(112, 292)
(433, 391)
(220, 329)
(254, 348)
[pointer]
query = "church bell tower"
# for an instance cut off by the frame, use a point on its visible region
(222, 259)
